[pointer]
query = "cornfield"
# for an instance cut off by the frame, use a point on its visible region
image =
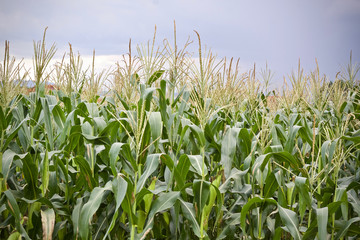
(177, 149)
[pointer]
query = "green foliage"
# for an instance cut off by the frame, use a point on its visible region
(162, 166)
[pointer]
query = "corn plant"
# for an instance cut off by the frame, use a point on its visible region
(146, 163)
(12, 79)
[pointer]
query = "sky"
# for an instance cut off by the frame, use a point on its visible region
(278, 32)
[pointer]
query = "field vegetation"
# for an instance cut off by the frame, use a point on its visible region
(176, 149)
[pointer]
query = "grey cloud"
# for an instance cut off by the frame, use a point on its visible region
(279, 32)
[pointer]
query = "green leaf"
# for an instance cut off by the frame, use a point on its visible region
(322, 219)
(85, 171)
(201, 189)
(90, 208)
(290, 219)
(10, 137)
(162, 203)
(290, 140)
(355, 139)
(75, 216)
(354, 200)
(288, 158)
(180, 179)
(163, 102)
(151, 164)
(229, 227)
(99, 123)
(228, 149)
(199, 135)
(345, 227)
(271, 185)
(182, 169)
(48, 125)
(261, 162)
(59, 117)
(197, 164)
(156, 126)
(189, 213)
(92, 109)
(15, 212)
(7, 160)
(31, 175)
(155, 76)
(148, 197)
(236, 175)
(74, 138)
(15, 236)
(3, 122)
(145, 99)
(45, 172)
(165, 201)
(119, 187)
(341, 195)
(113, 155)
(122, 101)
(252, 203)
(128, 202)
(304, 196)
(244, 144)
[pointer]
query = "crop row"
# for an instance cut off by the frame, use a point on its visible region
(163, 161)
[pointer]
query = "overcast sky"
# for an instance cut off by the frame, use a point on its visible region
(279, 32)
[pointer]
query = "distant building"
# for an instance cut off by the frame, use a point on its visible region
(31, 85)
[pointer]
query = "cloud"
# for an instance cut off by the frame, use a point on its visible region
(279, 32)
(341, 8)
